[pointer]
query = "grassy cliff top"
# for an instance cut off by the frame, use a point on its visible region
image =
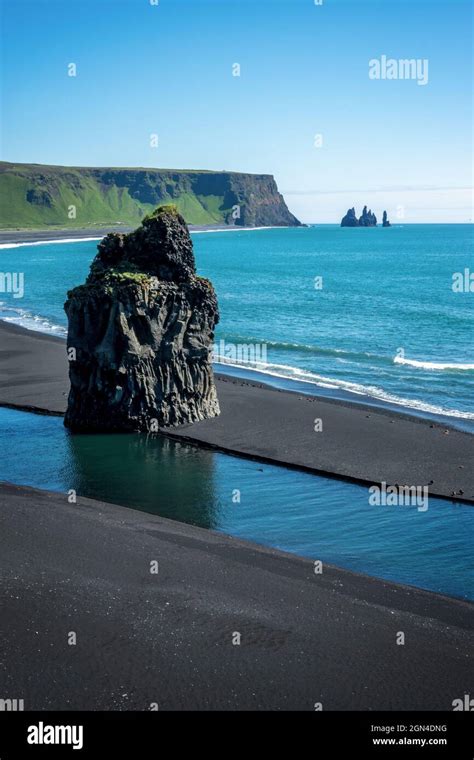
(6, 166)
(39, 196)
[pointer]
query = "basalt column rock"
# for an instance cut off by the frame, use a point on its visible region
(385, 222)
(141, 331)
(350, 219)
(368, 219)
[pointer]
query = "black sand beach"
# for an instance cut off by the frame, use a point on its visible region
(357, 443)
(167, 638)
(170, 638)
(9, 237)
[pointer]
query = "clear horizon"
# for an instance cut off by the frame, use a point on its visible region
(306, 106)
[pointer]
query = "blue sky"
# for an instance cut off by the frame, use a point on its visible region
(166, 69)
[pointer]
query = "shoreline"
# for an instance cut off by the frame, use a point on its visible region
(167, 638)
(359, 443)
(17, 238)
(402, 407)
(290, 378)
(455, 419)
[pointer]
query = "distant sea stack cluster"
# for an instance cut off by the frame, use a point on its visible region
(141, 332)
(367, 219)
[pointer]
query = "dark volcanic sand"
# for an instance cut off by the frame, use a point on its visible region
(166, 638)
(34, 236)
(357, 442)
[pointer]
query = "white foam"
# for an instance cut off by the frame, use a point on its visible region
(29, 321)
(432, 365)
(284, 371)
(4, 246)
(49, 242)
(303, 376)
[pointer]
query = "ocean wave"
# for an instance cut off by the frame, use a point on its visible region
(287, 372)
(341, 354)
(433, 365)
(30, 321)
(305, 348)
(5, 246)
(50, 242)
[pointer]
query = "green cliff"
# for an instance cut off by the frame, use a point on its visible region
(36, 196)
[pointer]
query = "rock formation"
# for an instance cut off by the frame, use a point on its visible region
(141, 332)
(368, 219)
(350, 219)
(385, 222)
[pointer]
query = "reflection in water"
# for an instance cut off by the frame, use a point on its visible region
(153, 473)
(294, 511)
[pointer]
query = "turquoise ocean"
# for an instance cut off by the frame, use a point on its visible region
(382, 323)
(365, 314)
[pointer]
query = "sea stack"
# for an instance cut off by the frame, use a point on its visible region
(350, 219)
(368, 219)
(141, 332)
(385, 222)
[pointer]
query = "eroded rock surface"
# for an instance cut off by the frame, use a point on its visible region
(141, 331)
(367, 218)
(350, 219)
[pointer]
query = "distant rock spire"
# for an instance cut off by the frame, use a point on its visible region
(350, 219)
(368, 219)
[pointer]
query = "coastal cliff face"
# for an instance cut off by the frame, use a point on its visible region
(39, 196)
(259, 202)
(141, 331)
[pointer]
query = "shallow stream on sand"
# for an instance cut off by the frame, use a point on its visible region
(306, 514)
